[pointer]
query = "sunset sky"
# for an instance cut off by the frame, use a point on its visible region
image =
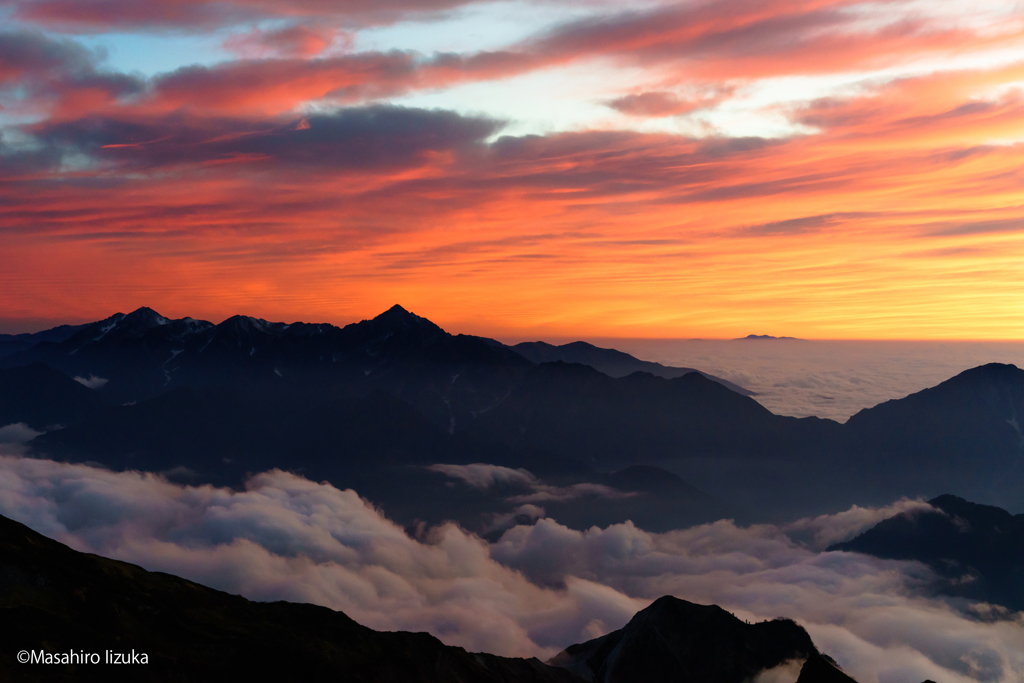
(568, 168)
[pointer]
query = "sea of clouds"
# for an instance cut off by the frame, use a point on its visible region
(833, 379)
(537, 589)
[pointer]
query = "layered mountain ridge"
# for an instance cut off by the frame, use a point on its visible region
(376, 404)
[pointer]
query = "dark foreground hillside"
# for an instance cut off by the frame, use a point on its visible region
(59, 600)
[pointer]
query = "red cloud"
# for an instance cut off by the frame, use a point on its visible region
(743, 39)
(205, 183)
(42, 75)
(294, 41)
(657, 104)
(102, 15)
(272, 86)
(716, 43)
(418, 204)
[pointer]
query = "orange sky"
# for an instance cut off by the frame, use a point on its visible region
(816, 169)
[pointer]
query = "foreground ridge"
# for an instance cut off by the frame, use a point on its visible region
(60, 601)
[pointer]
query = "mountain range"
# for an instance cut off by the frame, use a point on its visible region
(381, 404)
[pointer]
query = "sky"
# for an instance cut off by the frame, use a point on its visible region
(826, 169)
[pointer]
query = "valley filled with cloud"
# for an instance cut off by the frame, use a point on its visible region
(538, 588)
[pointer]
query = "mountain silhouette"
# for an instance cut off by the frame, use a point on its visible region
(144, 354)
(978, 550)
(59, 600)
(13, 343)
(963, 435)
(675, 640)
(373, 403)
(609, 361)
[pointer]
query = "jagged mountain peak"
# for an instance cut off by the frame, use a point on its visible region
(248, 326)
(673, 639)
(143, 318)
(398, 313)
(243, 322)
(398, 320)
(134, 324)
(193, 324)
(145, 311)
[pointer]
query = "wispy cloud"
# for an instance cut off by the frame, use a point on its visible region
(484, 476)
(92, 381)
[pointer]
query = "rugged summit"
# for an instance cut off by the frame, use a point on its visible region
(675, 640)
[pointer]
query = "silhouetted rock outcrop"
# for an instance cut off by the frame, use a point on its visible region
(675, 640)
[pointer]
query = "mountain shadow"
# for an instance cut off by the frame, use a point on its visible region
(42, 398)
(377, 444)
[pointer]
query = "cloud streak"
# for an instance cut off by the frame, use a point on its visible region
(486, 477)
(93, 15)
(483, 476)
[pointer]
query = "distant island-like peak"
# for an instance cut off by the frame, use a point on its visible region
(762, 336)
